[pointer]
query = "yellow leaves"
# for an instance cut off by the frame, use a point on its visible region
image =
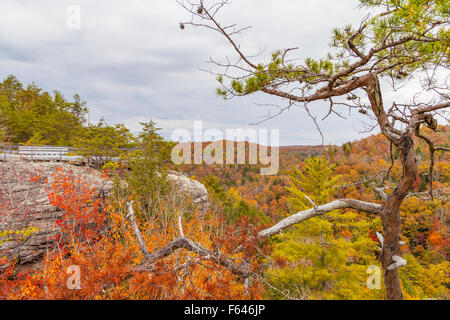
(112, 166)
(17, 235)
(415, 205)
(338, 249)
(425, 282)
(336, 245)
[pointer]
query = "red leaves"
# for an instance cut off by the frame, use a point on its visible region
(36, 178)
(78, 200)
(105, 259)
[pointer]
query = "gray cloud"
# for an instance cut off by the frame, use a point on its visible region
(131, 62)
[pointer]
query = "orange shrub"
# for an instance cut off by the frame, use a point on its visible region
(106, 254)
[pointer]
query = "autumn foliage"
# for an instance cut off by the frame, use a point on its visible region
(97, 238)
(323, 258)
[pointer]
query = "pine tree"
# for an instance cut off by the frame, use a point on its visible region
(102, 142)
(324, 257)
(316, 180)
(148, 165)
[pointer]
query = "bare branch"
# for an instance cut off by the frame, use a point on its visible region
(433, 108)
(242, 269)
(138, 234)
(314, 119)
(381, 193)
(432, 150)
(311, 202)
(310, 213)
(180, 226)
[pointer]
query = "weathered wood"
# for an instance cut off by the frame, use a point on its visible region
(317, 211)
(243, 269)
(42, 153)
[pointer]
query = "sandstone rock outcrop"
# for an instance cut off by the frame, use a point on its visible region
(193, 188)
(24, 203)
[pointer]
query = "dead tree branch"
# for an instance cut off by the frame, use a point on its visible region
(242, 269)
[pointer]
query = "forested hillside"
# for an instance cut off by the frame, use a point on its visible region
(28, 115)
(325, 257)
(31, 116)
(341, 245)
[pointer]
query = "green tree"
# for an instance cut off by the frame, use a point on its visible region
(101, 143)
(315, 179)
(234, 206)
(324, 257)
(31, 116)
(4, 138)
(149, 163)
(400, 40)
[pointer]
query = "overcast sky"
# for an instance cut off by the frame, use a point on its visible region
(131, 62)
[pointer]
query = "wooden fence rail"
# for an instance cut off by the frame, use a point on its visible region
(48, 153)
(42, 153)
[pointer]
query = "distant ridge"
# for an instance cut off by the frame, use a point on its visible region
(302, 146)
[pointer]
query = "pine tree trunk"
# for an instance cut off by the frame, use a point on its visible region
(391, 226)
(391, 218)
(391, 212)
